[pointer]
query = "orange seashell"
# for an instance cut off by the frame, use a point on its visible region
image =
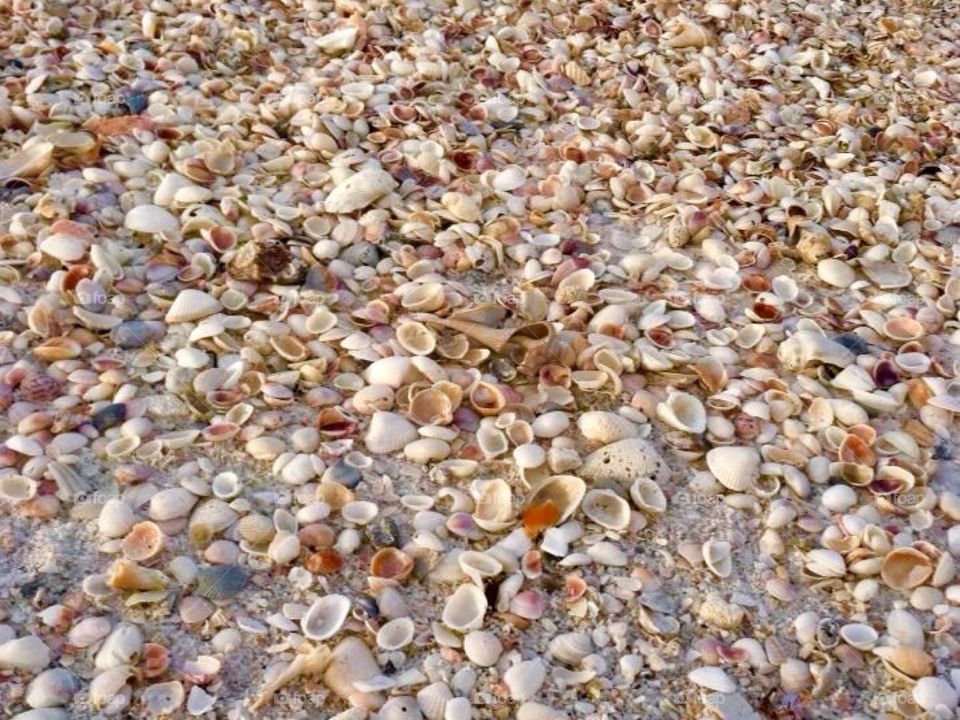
(324, 562)
(575, 588)
(854, 449)
(539, 517)
(756, 283)
(317, 535)
(154, 661)
(143, 543)
(391, 564)
(866, 433)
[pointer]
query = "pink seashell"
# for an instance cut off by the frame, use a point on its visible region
(528, 604)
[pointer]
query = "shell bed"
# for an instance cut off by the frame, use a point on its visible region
(479, 360)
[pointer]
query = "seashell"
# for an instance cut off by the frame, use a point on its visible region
(143, 543)
(605, 427)
(525, 678)
(17, 488)
(433, 700)
(396, 634)
(390, 371)
(325, 617)
(220, 582)
(903, 627)
(684, 412)
(859, 635)
(717, 557)
(912, 662)
(151, 219)
(109, 691)
(351, 662)
(905, 568)
(88, 632)
(903, 329)
(563, 493)
(199, 702)
(806, 347)
(400, 708)
(359, 190)
(359, 512)
(28, 653)
(284, 548)
(550, 424)
(226, 485)
(51, 688)
(607, 509)
(647, 495)
(416, 338)
(528, 604)
(493, 504)
(624, 461)
(826, 563)
(836, 273)
(388, 433)
(127, 575)
(539, 711)
(163, 698)
(465, 608)
(936, 696)
(486, 399)
(372, 398)
(391, 564)
(123, 646)
(735, 467)
(478, 565)
(482, 648)
(337, 41)
(713, 678)
(571, 648)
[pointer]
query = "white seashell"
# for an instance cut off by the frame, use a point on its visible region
(458, 708)
(283, 548)
(191, 305)
(607, 509)
(464, 610)
(433, 700)
(735, 467)
(492, 442)
(359, 512)
(482, 648)
(151, 219)
(606, 553)
(564, 491)
(605, 427)
(17, 488)
(359, 190)
(65, 248)
(806, 347)
(647, 495)
(390, 371)
(826, 563)
(493, 504)
(479, 565)
(426, 450)
(122, 647)
(839, 498)
(389, 433)
(163, 698)
(903, 627)
(836, 272)
(325, 617)
(683, 412)
(88, 631)
(51, 688)
(226, 485)
(400, 708)
(396, 634)
(391, 604)
(550, 424)
(28, 653)
(110, 691)
(571, 648)
(116, 518)
(539, 711)
(624, 461)
(713, 678)
(524, 679)
(717, 557)
(199, 701)
(859, 635)
(936, 695)
(337, 41)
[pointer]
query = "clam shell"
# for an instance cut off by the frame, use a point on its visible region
(465, 608)
(859, 635)
(713, 678)
(735, 467)
(647, 495)
(565, 492)
(905, 568)
(123, 646)
(605, 427)
(28, 653)
(325, 617)
(388, 433)
(151, 219)
(479, 565)
(607, 509)
(717, 556)
(525, 678)
(416, 338)
(17, 488)
(482, 648)
(191, 305)
(493, 504)
(684, 412)
(912, 662)
(359, 190)
(571, 648)
(396, 634)
(936, 695)
(51, 688)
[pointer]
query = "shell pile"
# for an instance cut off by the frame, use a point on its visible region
(479, 359)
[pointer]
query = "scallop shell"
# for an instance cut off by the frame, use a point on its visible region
(325, 617)
(359, 190)
(465, 609)
(607, 509)
(683, 411)
(191, 305)
(735, 467)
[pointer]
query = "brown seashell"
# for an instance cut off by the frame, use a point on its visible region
(324, 562)
(431, 406)
(855, 450)
(333, 494)
(486, 398)
(910, 661)
(391, 564)
(260, 260)
(334, 423)
(154, 660)
(905, 568)
(127, 575)
(143, 543)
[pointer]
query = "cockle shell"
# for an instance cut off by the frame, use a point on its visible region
(325, 617)
(571, 648)
(826, 563)
(647, 495)
(359, 190)
(191, 305)
(735, 467)
(607, 509)
(479, 565)
(493, 504)
(482, 648)
(396, 634)
(465, 608)
(388, 432)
